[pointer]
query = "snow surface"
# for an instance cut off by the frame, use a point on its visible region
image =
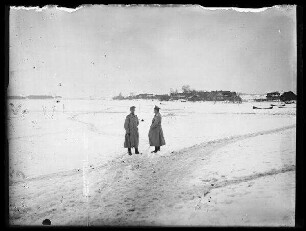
(250, 182)
(62, 149)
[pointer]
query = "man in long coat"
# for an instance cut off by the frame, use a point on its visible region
(131, 131)
(156, 135)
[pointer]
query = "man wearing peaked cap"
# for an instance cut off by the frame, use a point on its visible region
(131, 131)
(156, 135)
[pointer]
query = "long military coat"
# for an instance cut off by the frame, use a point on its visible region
(131, 131)
(156, 135)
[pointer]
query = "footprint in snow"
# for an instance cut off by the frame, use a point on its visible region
(251, 184)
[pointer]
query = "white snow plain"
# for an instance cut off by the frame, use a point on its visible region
(60, 138)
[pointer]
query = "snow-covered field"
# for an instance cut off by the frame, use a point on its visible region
(59, 149)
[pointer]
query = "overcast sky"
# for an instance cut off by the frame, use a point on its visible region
(104, 50)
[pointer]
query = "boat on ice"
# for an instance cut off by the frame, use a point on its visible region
(278, 105)
(262, 107)
(290, 102)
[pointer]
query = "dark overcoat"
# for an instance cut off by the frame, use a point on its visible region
(131, 131)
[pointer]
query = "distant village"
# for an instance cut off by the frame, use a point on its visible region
(276, 96)
(188, 94)
(34, 97)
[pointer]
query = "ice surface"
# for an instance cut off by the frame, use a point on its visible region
(223, 164)
(57, 136)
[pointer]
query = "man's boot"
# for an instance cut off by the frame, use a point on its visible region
(129, 151)
(156, 150)
(136, 151)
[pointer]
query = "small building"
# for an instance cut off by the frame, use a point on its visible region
(194, 98)
(119, 97)
(144, 96)
(222, 95)
(288, 96)
(273, 96)
(177, 96)
(163, 97)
